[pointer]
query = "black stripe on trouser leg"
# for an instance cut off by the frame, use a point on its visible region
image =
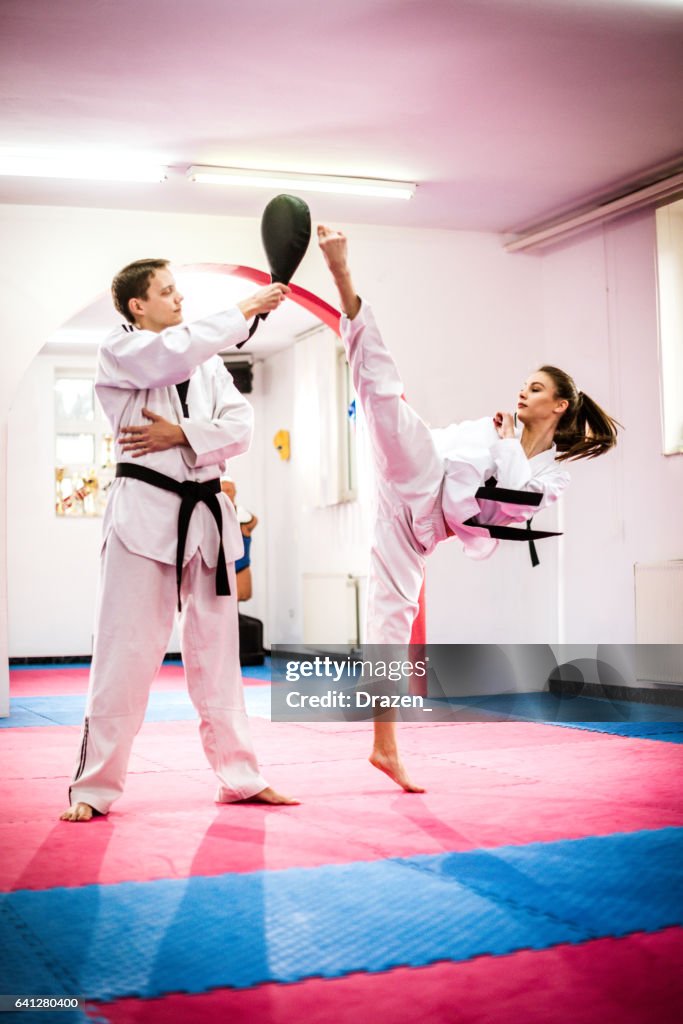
(81, 765)
(84, 750)
(81, 762)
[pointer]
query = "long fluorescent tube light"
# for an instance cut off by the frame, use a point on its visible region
(668, 188)
(243, 178)
(80, 168)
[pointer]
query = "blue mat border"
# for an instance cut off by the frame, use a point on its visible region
(175, 705)
(147, 939)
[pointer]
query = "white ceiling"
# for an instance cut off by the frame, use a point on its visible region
(503, 111)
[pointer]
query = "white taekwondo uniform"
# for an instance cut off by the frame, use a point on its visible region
(427, 481)
(137, 594)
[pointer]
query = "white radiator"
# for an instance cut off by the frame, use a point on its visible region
(332, 609)
(659, 621)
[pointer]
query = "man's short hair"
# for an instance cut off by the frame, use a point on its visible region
(133, 283)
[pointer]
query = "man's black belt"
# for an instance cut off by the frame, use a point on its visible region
(491, 492)
(191, 493)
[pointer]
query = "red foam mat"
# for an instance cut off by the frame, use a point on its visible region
(632, 980)
(62, 682)
(488, 785)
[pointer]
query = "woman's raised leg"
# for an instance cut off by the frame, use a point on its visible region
(402, 445)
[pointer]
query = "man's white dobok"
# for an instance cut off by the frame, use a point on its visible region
(137, 595)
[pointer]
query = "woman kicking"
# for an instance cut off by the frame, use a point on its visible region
(427, 480)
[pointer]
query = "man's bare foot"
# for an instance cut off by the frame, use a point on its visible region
(78, 812)
(269, 796)
(391, 765)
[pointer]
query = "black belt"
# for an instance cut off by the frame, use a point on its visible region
(491, 492)
(191, 494)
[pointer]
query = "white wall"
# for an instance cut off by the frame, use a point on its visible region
(302, 538)
(600, 323)
(53, 561)
(4, 590)
(281, 504)
(63, 257)
(466, 322)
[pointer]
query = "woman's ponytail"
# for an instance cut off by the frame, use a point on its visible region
(585, 430)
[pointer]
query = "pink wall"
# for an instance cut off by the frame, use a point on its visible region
(600, 322)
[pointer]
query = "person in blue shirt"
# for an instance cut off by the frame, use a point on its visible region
(248, 522)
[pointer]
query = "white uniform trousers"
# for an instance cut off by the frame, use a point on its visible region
(136, 607)
(409, 473)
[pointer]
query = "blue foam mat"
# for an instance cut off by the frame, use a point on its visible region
(667, 732)
(146, 939)
(51, 1016)
(545, 707)
(258, 671)
(654, 722)
(250, 671)
(164, 706)
(48, 666)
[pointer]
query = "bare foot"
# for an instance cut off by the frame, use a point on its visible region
(392, 766)
(78, 812)
(269, 796)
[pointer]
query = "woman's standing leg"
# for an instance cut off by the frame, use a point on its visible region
(395, 581)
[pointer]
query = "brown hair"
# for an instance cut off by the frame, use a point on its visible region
(585, 430)
(133, 283)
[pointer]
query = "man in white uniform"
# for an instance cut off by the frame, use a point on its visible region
(169, 535)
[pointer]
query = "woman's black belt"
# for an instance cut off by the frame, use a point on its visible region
(191, 494)
(491, 492)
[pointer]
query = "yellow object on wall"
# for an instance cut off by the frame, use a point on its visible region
(281, 442)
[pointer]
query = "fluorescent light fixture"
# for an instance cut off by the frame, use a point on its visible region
(239, 177)
(82, 168)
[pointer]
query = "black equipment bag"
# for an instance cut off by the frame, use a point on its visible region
(251, 640)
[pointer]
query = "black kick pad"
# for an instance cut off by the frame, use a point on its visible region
(285, 232)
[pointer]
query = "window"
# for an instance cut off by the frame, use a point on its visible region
(84, 447)
(325, 419)
(670, 286)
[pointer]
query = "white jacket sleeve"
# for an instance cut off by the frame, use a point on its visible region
(142, 359)
(227, 434)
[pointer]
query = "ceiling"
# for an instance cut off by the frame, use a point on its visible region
(505, 112)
